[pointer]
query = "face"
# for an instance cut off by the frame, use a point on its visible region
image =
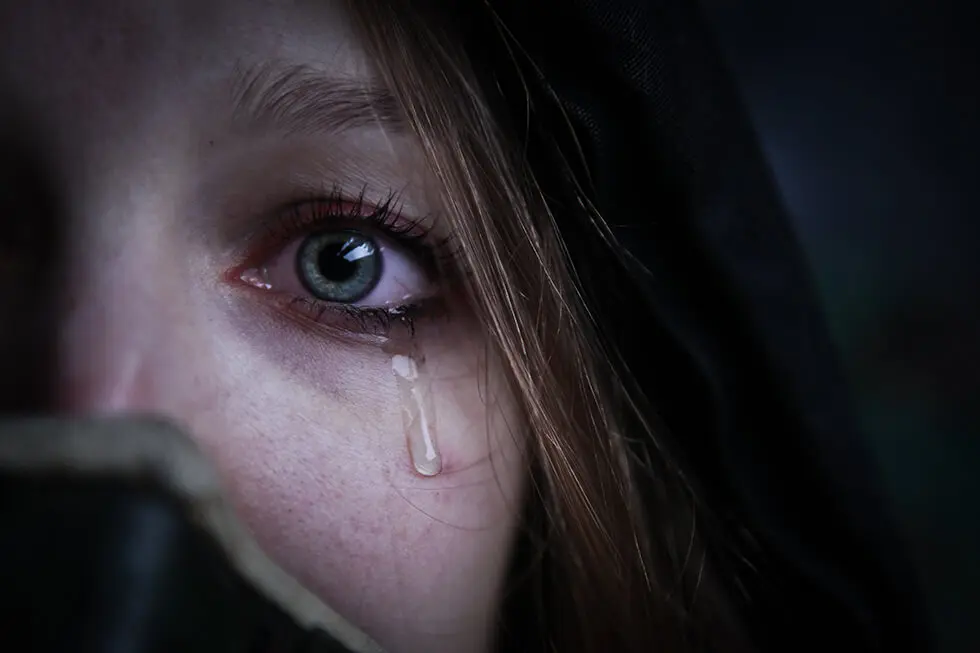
(253, 248)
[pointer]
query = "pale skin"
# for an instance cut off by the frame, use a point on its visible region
(167, 186)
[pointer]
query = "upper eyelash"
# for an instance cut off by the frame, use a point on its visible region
(335, 204)
(319, 208)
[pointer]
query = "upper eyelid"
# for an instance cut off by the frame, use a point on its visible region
(244, 177)
(242, 198)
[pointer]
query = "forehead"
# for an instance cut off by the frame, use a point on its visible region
(102, 57)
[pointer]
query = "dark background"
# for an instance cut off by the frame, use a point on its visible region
(868, 111)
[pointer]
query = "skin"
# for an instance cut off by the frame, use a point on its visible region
(166, 189)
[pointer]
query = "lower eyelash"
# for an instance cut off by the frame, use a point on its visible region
(383, 319)
(379, 321)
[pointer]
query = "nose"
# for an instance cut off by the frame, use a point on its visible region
(84, 307)
(119, 328)
(103, 367)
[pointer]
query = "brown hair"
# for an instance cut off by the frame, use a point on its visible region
(613, 555)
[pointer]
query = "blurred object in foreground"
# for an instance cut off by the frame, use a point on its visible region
(117, 539)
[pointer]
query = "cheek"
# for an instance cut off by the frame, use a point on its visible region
(312, 444)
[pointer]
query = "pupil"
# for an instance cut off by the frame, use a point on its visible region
(334, 264)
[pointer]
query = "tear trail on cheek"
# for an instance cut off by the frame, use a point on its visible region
(418, 412)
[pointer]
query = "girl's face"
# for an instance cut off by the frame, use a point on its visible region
(233, 262)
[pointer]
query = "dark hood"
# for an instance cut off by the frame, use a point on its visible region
(715, 315)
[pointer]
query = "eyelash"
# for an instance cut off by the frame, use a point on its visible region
(308, 214)
(305, 216)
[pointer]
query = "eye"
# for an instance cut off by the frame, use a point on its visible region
(349, 266)
(339, 266)
(346, 266)
(350, 280)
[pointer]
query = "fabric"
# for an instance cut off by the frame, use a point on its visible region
(716, 316)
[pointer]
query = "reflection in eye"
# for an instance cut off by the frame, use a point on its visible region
(357, 270)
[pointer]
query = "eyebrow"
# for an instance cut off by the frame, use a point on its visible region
(300, 99)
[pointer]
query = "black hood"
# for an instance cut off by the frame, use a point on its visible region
(714, 312)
